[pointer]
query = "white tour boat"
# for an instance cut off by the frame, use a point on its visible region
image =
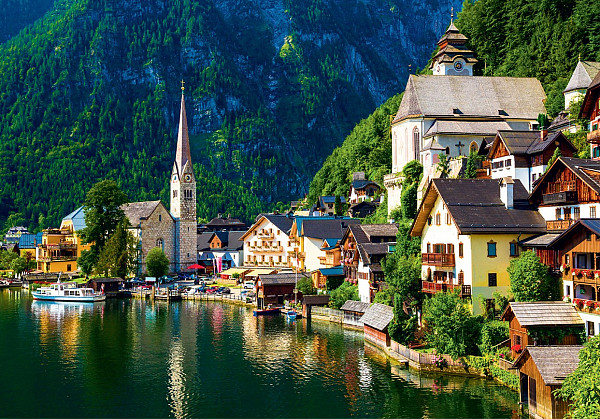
(62, 292)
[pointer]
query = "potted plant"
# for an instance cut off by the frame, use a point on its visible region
(516, 348)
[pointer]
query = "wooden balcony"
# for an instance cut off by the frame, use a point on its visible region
(559, 225)
(594, 136)
(265, 235)
(564, 197)
(434, 287)
(438, 259)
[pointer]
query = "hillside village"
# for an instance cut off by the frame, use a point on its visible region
(496, 183)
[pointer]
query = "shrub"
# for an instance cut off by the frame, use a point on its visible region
(493, 333)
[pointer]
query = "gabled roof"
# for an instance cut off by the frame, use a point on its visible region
(543, 240)
(554, 363)
(282, 278)
(282, 222)
(476, 207)
(490, 97)
(318, 228)
(221, 222)
(466, 128)
(586, 170)
(529, 142)
(378, 316)
(591, 96)
(582, 76)
(139, 211)
(357, 306)
(204, 239)
(373, 231)
(591, 224)
(77, 217)
(363, 183)
(543, 313)
(234, 241)
(330, 199)
(366, 250)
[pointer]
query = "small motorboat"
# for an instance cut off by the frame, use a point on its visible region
(291, 314)
(62, 292)
(266, 311)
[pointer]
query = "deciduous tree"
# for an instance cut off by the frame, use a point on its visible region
(530, 279)
(157, 262)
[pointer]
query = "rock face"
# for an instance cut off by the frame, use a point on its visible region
(272, 86)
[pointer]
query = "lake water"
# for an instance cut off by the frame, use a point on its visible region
(135, 358)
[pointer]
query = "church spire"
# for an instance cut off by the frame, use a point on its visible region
(182, 156)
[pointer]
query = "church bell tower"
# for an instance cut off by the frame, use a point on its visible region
(453, 57)
(183, 197)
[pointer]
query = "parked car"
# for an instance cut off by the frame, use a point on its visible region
(249, 285)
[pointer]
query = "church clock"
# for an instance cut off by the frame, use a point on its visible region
(458, 65)
(188, 178)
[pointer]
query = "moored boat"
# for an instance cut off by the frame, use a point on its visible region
(62, 292)
(266, 311)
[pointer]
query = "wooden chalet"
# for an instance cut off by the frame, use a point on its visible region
(527, 318)
(376, 320)
(590, 109)
(542, 370)
(524, 155)
(353, 311)
(362, 189)
(275, 288)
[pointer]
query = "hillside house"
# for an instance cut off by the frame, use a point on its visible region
(362, 189)
(470, 229)
(267, 242)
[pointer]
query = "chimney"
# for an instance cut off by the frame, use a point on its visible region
(506, 191)
(543, 134)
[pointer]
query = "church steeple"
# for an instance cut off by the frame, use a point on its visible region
(182, 155)
(453, 57)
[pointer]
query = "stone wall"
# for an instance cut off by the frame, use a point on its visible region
(159, 225)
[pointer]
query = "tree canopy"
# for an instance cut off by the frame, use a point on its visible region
(157, 262)
(531, 280)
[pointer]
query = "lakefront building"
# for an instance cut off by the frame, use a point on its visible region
(451, 112)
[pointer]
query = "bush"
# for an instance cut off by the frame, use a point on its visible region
(305, 286)
(493, 333)
(343, 293)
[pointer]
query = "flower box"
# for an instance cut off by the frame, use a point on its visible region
(516, 348)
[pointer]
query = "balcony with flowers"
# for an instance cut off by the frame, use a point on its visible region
(586, 306)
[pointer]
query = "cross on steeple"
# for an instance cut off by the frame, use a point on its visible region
(182, 85)
(452, 14)
(459, 146)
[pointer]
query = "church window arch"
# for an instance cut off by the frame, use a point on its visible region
(160, 243)
(416, 142)
(447, 151)
(394, 149)
(473, 148)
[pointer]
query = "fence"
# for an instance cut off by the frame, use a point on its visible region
(422, 358)
(332, 313)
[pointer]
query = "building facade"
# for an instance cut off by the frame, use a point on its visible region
(267, 242)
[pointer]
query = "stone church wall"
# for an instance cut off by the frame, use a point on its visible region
(159, 225)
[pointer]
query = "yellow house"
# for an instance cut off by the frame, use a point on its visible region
(61, 247)
(470, 229)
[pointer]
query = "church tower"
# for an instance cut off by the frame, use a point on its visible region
(453, 58)
(183, 197)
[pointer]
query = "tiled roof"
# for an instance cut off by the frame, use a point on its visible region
(234, 242)
(466, 127)
(204, 240)
(360, 184)
(326, 229)
(138, 211)
(224, 222)
(282, 222)
(366, 250)
(530, 142)
(582, 76)
(475, 206)
(357, 306)
(540, 241)
(544, 313)
(554, 363)
(378, 316)
(491, 97)
(380, 230)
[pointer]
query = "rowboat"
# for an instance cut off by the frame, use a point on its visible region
(265, 312)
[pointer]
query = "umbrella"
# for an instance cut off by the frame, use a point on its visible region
(196, 266)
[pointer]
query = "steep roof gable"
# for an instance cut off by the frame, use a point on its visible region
(586, 170)
(582, 76)
(139, 211)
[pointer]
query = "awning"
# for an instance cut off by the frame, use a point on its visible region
(256, 272)
(337, 271)
(232, 271)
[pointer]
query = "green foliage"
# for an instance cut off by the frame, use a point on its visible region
(6, 259)
(157, 262)
(501, 301)
(582, 387)
(343, 293)
(553, 158)
(403, 276)
(403, 326)
(305, 286)
(493, 333)
(102, 209)
(473, 162)
(380, 216)
(531, 280)
(532, 38)
(119, 256)
(505, 377)
(555, 335)
(367, 149)
(333, 282)
(18, 265)
(408, 201)
(412, 172)
(405, 244)
(86, 262)
(443, 165)
(579, 140)
(450, 327)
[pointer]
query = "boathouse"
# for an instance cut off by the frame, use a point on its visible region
(542, 369)
(111, 285)
(530, 323)
(274, 289)
(353, 311)
(376, 320)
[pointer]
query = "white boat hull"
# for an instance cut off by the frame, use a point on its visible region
(75, 298)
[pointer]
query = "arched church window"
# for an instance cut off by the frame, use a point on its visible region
(447, 151)
(416, 142)
(394, 149)
(473, 148)
(160, 243)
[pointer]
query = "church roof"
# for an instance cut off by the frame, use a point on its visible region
(466, 128)
(182, 155)
(466, 97)
(582, 76)
(138, 211)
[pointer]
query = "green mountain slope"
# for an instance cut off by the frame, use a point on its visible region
(91, 91)
(17, 14)
(527, 38)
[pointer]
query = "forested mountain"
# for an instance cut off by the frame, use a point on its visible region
(520, 38)
(91, 91)
(17, 14)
